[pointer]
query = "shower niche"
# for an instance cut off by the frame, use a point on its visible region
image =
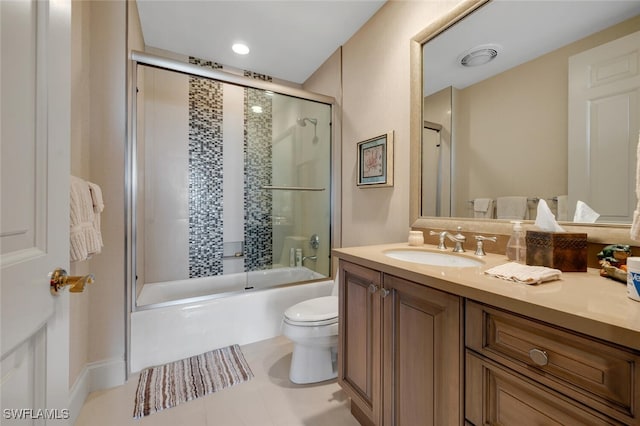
(228, 178)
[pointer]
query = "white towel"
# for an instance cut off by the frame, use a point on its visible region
(483, 208)
(635, 226)
(524, 274)
(98, 207)
(84, 239)
(514, 208)
(562, 207)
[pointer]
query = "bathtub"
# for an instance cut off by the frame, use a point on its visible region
(166, 330)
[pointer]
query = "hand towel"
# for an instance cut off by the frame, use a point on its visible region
(98, 207)
(635, 226)
(483, 208)
(514, 208)
(562, 210)
(84, 240)
(524, 274)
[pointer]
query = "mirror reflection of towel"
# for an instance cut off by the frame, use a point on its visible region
(635, 226)
(562, 212)
(514, 208)
(483, 208)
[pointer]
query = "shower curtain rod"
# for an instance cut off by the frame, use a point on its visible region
(238, 80)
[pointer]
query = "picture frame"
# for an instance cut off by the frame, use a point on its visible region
(375, 162)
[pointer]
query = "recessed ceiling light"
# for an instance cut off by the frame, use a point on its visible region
(479, 55)
(240, 48)
(256, 109)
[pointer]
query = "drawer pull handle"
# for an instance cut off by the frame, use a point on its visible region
(539, 357)
(373, 288)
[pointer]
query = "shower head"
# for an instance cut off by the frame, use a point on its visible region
(302, 122)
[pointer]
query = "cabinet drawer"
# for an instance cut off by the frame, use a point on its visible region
(593, 372)
(498, 396)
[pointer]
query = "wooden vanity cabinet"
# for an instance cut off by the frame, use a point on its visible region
(359, 340)
(524, 371)
(401, 350)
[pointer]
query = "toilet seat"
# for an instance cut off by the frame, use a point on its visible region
(314, 312)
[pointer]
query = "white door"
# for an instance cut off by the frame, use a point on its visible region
(604, 119)
(34, 221)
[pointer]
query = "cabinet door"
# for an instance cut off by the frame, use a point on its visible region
(422, 355)
(359, 339)
(497, 396)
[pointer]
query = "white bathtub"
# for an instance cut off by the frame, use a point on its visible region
(167, 333)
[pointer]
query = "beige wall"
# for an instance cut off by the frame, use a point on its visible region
(81, 167)
(375, 100)
(97, 316)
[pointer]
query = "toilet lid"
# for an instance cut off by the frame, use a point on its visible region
(312, 310)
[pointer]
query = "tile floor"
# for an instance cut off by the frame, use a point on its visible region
(269, 399)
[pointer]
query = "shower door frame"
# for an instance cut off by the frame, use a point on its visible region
(131, 182)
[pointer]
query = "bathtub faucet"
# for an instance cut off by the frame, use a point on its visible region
(314, 258)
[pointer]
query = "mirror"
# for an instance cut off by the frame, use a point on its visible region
(487, 134)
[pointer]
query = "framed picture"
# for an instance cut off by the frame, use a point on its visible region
(375, 162)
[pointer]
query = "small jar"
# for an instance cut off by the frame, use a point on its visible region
(416, 238)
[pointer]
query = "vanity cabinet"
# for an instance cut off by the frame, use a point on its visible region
(523, 371)
(400, 348)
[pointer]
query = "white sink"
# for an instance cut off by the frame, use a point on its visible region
(434, 258)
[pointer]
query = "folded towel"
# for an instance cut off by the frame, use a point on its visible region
(635, 226)
(84, 239)
(96, 197)
(483, 208)
(512, 208)
(98, 207)
(524, 274)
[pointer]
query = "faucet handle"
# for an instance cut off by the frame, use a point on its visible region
(480, 244)
(459, 235)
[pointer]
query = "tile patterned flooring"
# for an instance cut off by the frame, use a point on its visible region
(269, 399)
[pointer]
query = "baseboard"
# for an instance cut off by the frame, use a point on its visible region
(95, 376)
(78, 394)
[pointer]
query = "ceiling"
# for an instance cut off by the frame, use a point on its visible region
(523, 30)
(289, 39)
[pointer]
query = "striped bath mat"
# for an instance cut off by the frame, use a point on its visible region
(168, 385)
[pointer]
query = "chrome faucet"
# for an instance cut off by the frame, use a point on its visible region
(458, 238)
(314, 258)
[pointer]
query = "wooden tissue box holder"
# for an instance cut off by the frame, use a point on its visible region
(565, 251)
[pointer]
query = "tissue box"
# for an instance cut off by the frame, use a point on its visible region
(565, 251)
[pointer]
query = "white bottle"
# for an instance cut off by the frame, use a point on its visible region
(292, 257)
(517, 247)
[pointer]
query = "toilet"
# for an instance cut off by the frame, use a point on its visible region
(312, 326)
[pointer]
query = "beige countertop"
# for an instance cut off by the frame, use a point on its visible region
(579, 301)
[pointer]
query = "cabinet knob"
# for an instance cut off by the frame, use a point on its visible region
(384, 292)
(373, 288)
(539, 357)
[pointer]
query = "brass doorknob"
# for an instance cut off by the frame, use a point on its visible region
(59, 279)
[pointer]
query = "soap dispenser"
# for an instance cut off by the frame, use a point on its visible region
(517, 247)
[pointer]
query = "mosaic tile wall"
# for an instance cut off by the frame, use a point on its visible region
(205, 174)
(258, 231)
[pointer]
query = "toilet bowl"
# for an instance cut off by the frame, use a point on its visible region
(312, 326)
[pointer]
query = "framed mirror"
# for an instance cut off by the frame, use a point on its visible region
(470, 142)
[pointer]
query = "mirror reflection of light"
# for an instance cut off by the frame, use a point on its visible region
(256, 109)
